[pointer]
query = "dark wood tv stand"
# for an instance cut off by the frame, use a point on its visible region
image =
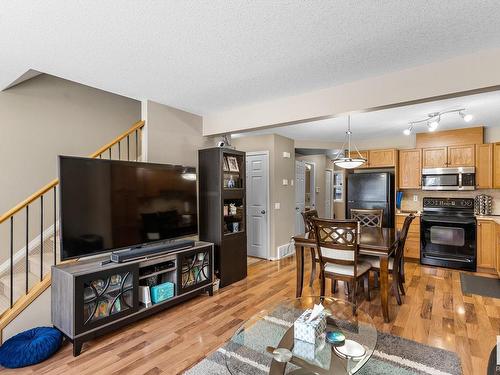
(90, 299)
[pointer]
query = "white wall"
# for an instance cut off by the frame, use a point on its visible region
(468, 72)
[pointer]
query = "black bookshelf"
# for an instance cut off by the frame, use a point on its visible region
(222, 196)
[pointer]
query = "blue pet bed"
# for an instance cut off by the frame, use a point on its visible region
(30, 347)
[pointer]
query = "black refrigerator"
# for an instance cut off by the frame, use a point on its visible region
(372, 191)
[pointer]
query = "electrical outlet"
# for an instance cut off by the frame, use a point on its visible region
(415, 198)
(291, 182)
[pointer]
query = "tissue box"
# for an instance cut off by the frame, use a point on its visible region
(319, 353)
(307, 350)
(309, 331)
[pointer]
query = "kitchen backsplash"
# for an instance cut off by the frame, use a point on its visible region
(408, 203)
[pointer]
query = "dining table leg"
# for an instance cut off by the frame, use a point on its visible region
(384, 286)
(299, 259)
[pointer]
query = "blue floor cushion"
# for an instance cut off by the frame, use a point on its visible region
(30, 347)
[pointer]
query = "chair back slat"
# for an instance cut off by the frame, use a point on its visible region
(337, 240)
(367, 218)
(403, 234)
(308, 217)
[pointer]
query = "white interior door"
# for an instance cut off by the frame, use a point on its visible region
(328, 193)
(257, 167)
(300, 195)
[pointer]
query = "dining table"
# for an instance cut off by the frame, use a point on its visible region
(372, 241)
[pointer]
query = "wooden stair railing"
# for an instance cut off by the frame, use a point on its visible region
(113, 150)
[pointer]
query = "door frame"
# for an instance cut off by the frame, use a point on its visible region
(312, 186)
(332, 209)
(268, 206)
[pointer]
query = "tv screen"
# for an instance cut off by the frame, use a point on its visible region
(107, 204)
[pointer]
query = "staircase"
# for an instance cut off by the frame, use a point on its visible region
(30, 238)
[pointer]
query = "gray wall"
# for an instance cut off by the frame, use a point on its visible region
(173, 136)
(45, 117)
(48, 116)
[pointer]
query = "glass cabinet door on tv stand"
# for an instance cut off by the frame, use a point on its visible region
(195, 269)
(106, 296)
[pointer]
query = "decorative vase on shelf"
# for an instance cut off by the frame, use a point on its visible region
(231, 183)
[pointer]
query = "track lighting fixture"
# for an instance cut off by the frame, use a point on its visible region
(467, 117)
(433, 119)
(408, 130)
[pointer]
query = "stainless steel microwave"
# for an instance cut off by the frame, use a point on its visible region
(461, 178)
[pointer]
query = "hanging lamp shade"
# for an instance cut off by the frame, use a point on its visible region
(348, 161)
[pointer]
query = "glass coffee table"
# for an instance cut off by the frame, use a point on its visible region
(265, 343)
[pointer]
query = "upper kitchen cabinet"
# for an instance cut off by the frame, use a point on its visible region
(434, 157)
(382, 158)
(410, 169)
(484, 166)
(364, 155)
(461, 156)
(451, 156)
(496, 165)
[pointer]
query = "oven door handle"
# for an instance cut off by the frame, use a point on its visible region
(447, 221)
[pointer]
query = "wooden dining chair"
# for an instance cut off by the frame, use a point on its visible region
(396, 263)
(338, 246)
(309, 227)
(367, 218)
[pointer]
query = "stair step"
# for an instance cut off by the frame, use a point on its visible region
(4, 303)
(34, 262)
(19, 280)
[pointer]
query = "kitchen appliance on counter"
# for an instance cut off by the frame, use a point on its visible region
(483, 204)
(448, 233)
(460, 178)
(374, 190)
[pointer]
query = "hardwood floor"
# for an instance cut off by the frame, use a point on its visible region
(435, 312)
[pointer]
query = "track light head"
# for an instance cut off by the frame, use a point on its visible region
(467, 117)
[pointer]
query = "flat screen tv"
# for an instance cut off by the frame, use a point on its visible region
(107, 205)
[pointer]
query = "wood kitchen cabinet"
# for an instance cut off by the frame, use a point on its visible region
(498, 250)
(486, 245)
(484, 166)
(412, 244)
(461, 156)
(410, 169)
(382, 158)
(364, 155)
(451, 156)
(496, 165)
(434, 157)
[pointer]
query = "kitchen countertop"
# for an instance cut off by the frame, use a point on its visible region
(416, 213)
(495, 218)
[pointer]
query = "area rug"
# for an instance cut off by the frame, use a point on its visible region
(480, 285)
(393, 355)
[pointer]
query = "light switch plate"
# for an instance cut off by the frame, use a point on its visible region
(286, 154)
(277, 206)
(415, 198)
(291, 182)
(285, 181)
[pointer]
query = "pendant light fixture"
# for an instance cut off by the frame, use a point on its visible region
(348, 161)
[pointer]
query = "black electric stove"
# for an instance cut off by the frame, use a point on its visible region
(448, 233)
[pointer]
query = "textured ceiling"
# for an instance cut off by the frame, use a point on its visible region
(205, 56)
(485, 109)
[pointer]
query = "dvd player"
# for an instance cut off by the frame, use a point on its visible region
(135, 253)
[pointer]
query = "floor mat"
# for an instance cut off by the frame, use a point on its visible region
(483, 286)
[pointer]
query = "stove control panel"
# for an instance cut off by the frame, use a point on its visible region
(453, 203)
